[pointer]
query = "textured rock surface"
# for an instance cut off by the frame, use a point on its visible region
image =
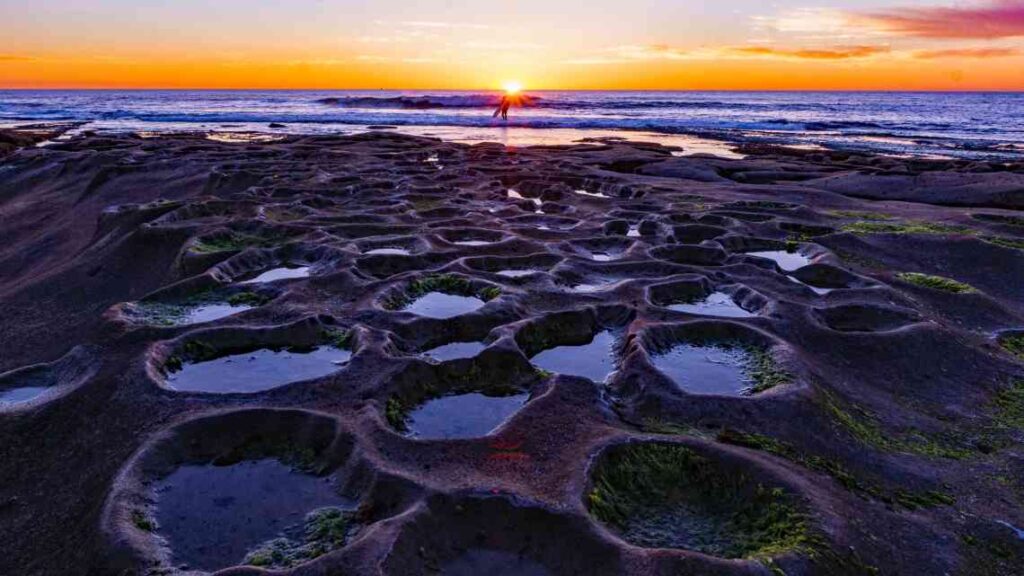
(896, 431)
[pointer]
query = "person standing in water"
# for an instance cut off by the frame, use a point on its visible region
(506, 103)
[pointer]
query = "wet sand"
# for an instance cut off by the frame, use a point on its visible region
(880, 300)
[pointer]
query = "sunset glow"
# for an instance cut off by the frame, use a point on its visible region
(654, 44)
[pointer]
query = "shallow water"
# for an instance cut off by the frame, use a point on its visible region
(280, 274)
(716, 304)
(595, 360)
(20, 395)
(463, 416)
(455, 351)
(440, 305)
(388, 252)
(928, 124)
(788, 261)
(211, 312)
(213, 515)
(482, 562)
(598, 286)
(676, 526)
(815, 289)
(602, 257)
(256, 371)
(706, 369)
(591, 194)
(516, 273)
(473, 243)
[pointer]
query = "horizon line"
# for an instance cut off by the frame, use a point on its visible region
(498, 90)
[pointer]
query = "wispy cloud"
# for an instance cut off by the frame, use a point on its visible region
(967, 53)
(396, 59)
(445, 25)
(990, 19)
(634, 54)
(14, 58)
(836, 53)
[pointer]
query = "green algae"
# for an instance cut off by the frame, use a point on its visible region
(646, 491)
(324, 530)
(940, 283)
(905, 227)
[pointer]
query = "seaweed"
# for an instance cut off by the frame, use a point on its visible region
(936, 283)
(646, 490)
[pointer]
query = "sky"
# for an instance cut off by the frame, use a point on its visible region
(544, 44)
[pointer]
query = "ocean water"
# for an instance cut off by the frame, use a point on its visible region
(974, 125)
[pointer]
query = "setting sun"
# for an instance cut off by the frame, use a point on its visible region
(513, 87)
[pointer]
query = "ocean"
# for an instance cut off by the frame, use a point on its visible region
(961, 125)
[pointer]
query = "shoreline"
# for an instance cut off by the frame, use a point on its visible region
(877, 298)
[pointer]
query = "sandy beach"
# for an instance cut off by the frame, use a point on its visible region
(861, 318)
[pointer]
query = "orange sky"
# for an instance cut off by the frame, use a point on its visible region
(656, 44)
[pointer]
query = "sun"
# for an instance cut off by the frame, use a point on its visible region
(513, 87)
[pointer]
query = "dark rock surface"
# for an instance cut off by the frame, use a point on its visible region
(898, 429)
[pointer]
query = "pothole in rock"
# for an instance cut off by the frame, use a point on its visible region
(481, 535)
(472, 415)
(516, 266)
(537, 202)
(23, 385)
(261, 513)
(21, 394)
(594, 360)
(442, 306)
(658, 495)
(441, 297)
(517, 273)
(788, 261)
(283, 273)
(722, 366)
(471, 236)
(254, 371)
(196, 310)
(718, 304)
(596, 285)
(388, 252)
(478, 561)
(455, 351)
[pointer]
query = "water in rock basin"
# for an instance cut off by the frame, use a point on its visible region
(455, 351)
(256, 371)
(719, 370)
(211, 312)
(280, 274)
(473, 243)
(715, 304)
(788, 261)
(440, 305)
(482, 562)
(20, 395)
(211, 516)
(388, 252)
(463, 416)
(595, 360)
(516, 273)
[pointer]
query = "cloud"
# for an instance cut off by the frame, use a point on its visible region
(989, 19)
(966, 53)
(837, 53)
(398, 59)
(444, 25)
(14, 58)
(634, 54)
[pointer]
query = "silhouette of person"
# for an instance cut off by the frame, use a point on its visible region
(506, 103)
